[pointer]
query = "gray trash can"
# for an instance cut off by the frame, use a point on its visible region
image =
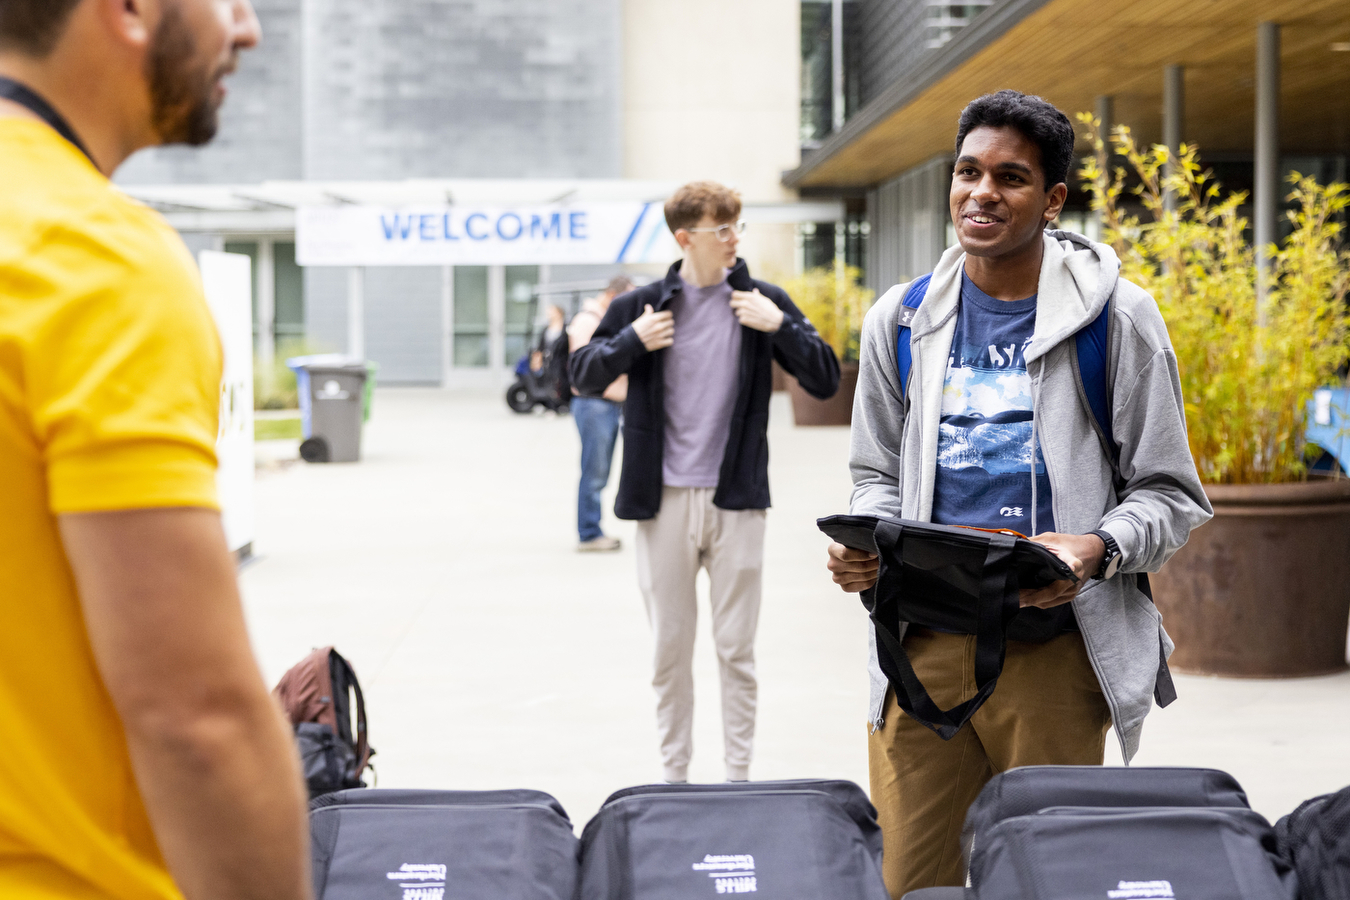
(332, 402)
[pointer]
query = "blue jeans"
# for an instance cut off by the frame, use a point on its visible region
(598, 423)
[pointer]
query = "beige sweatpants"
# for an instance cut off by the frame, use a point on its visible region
(690, 533)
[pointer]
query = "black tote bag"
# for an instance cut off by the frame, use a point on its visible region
(952, 579)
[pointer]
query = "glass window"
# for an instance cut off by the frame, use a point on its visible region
(289, 325)
(856, 233)
(521, 309)
(817, 245)
(520, 301)
(817, 43)
(471, 350)
(471, 316)
(945, 20)
(516, 346)
(817, 72)
(471, 297)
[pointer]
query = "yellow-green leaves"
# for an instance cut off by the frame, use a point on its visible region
(835, 303)
(1247, 378)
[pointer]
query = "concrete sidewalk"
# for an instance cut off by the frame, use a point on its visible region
(494, 655)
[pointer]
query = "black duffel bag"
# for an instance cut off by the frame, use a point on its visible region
(961, 580)
(1156, 853)
(1027, 790)
(437, 845)
(790, 840)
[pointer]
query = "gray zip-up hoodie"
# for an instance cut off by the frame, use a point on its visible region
(895, 436)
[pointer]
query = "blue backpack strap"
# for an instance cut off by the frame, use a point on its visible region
(1093, 345)
(918, 288)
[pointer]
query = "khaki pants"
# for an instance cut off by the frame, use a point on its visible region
(691, 533)
(1048, 709)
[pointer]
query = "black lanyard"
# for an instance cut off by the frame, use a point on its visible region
(24, 96)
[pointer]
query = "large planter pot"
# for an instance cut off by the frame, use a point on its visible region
(837, 410)
(1263, 589)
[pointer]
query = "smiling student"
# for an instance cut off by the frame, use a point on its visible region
(993, 429)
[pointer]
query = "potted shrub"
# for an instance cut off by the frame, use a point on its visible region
(1264, 588)
(835, 303)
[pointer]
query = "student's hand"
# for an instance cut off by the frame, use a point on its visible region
(853, 570)
(656, 330)
(754, 310)
(1081, 552)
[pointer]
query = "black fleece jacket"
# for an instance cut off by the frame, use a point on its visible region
(615, 349)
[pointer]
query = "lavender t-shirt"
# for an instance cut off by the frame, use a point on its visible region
(702, 372)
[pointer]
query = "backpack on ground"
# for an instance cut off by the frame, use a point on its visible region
(1065, 832)
(790, 840)
(1315, 839)
(320, 695)
(1153, 853)
(1029, 789)
(433, 845)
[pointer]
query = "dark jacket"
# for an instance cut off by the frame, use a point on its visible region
(615, 349)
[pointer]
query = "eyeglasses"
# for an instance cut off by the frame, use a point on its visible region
(723, 232)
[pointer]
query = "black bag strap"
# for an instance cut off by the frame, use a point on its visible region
(344, 680)
(1164, 688)
(998, 603)
(29, 99)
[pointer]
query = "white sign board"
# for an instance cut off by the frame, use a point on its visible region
(228, 279)
(583, 233)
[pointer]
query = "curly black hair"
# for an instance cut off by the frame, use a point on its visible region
(1039, 120)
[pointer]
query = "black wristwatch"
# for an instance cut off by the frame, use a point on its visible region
(1111, 561)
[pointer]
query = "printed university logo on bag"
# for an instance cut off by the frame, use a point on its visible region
(730, 874)
(420, 881)
(1142, 890)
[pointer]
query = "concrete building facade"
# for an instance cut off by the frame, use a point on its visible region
(349, 93)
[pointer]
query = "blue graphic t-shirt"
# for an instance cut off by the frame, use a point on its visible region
(983, 473)
(984, 438)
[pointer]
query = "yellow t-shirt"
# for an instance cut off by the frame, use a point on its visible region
(109, 396)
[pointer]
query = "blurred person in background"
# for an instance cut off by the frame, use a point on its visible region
(143, 757)
(697, 347)
(549, 357)
(597, 419)
(553, 342)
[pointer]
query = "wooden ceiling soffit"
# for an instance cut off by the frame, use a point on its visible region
(1071, 51)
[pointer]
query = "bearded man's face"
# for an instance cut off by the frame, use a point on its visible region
(193, 48)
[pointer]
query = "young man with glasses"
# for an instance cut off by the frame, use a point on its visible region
(697, 348)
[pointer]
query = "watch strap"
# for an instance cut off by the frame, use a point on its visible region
(1112, 554)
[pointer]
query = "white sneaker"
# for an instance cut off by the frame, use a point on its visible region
(599, 545)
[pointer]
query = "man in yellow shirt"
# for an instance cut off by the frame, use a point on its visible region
(141, 757)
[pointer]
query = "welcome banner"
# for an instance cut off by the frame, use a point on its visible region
(583, 233)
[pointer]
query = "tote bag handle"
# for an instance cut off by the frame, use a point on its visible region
(998, 603)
